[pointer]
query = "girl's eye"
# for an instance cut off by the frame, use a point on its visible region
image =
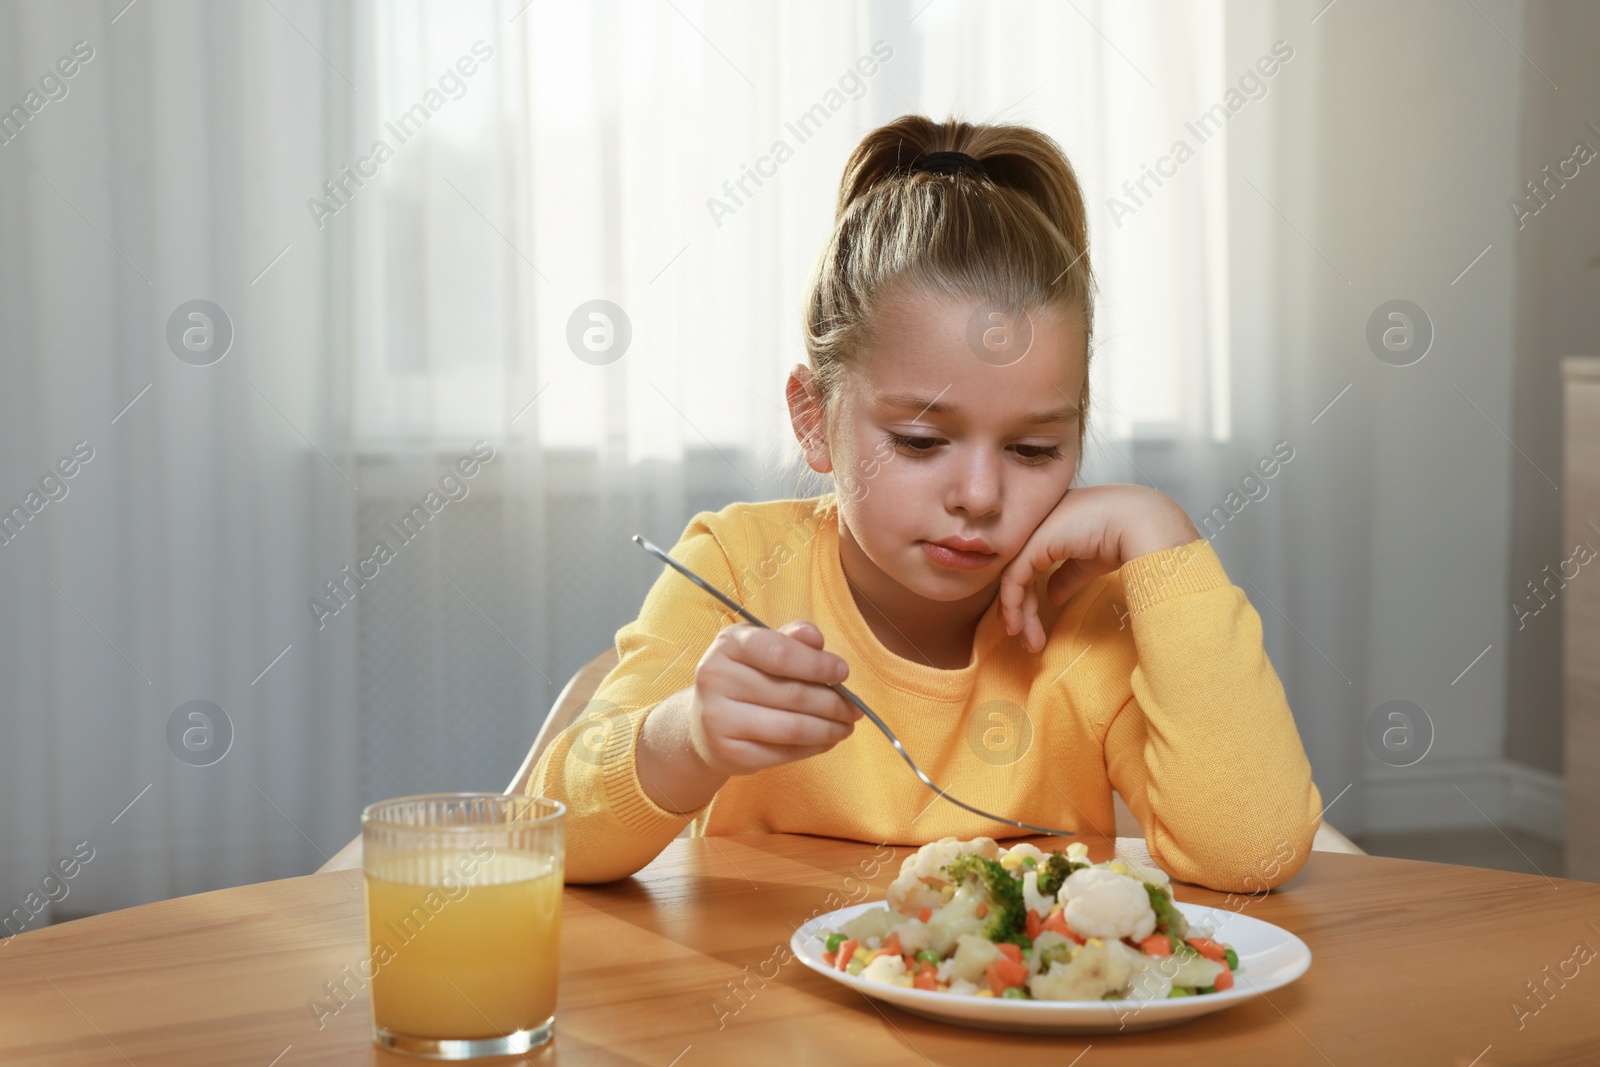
(1039, 454)
(914, 446)
(1033, 455)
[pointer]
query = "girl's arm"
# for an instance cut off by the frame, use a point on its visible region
(1205, 749)
(614, 826)
(692, 701)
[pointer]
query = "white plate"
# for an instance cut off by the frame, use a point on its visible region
(1269, 957)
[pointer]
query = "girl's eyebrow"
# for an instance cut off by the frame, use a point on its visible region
(943, 407)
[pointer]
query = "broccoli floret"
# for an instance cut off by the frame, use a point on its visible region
(1169, 920)
(1007, 913)
(1055, 871)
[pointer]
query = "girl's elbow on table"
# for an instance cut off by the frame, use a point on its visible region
(1244, 868)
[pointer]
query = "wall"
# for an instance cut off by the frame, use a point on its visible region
(1418, 143)
(1558, 314)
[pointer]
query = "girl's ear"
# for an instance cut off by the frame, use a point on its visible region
(807, 416)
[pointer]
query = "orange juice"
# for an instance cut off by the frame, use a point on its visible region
(468, 957)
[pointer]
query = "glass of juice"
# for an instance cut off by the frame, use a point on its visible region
(463, 922)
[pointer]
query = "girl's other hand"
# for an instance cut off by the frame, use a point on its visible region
(762, 698)
(1095, 530)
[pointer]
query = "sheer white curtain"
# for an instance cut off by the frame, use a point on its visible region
(170, 166)
(409, 212)
(681, 161)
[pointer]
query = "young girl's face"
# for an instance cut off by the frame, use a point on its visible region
(933, 442)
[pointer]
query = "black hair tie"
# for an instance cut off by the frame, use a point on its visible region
(949, 163)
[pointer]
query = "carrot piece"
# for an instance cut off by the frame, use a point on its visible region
(925, 914)
(924, 967)
(1005, 973)
(1035, 925)
(891, 945)
(983, 909)
(846, 950)
(1223, 980)
(1057, 921)
(926, 980)
(1012, 952)
(828, 958)
(1210, 949)
(1156, 945)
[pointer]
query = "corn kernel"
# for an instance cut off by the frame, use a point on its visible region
(985, 993)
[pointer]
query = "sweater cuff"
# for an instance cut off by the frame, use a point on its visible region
(619, 776)
(1154, 577)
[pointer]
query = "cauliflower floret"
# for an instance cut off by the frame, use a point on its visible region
(1094, 970)
(964, 988)
(909, 894)
(1032, 898)
(922, 873)
(972, 958)
(885, 968)
(1194, 969)
(1012, 857)
(1102, 903)
(1048, 947)
(1150, 977)
(913, 936)
(960, 916)
(1078, 852)
(872, 923)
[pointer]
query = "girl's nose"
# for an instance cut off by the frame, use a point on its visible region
(976, 489)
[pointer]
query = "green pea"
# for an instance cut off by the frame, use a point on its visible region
(1206, 989)
(1015, 992)
(1233, 960)
(927, 955)
(1178, 991)
(835, 940)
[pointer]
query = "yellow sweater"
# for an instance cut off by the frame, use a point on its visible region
(1153, 681)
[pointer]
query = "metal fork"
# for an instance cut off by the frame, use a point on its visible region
(852, 698)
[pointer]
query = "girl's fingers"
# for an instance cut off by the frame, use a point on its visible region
(1015, 581)
(1030, 615)
(1035, 634)
(789, 729)
(794, 651)
(755, 687)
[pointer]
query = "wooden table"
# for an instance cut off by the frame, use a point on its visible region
(1414, 963)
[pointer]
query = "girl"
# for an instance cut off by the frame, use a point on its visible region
(1033, 645)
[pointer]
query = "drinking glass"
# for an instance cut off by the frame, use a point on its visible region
(463, 921)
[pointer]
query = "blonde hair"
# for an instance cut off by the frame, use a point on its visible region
(1016, 236)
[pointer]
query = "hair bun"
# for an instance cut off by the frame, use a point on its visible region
(949, 163)
(1019, 158)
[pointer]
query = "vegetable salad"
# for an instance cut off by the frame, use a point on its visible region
(972, 918)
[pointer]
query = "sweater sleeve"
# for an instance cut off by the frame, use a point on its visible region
(1205, 750)
(613, 828)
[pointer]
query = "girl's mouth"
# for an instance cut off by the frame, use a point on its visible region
(956, 559)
